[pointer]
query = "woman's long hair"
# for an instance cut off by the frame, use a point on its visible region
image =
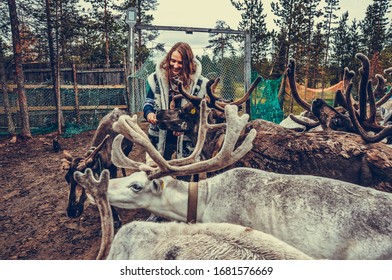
(188, 64)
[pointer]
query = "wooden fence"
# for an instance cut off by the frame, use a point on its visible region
(87, 93)
(38, 73)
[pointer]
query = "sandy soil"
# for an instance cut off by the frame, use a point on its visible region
(33, 200)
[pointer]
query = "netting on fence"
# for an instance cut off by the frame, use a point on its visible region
(229, 70)
(81, 111)
(264, 100)
(308, 94)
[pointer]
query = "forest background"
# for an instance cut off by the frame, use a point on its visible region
(66, 32)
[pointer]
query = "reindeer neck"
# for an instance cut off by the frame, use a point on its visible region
(174, 200)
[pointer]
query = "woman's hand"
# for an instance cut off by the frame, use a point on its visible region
(152, 118)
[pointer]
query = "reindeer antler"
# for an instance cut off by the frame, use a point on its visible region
(220, 105)
(360, 120)
(98, 189)
(227, 155)
(385, 132)
(89, 159)
(127, 125)
(291, 76)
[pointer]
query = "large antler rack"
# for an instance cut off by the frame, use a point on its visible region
(215, 101)
(228, 154)
(360, 119)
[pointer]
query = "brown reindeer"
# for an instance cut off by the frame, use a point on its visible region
(328, 153)
(97, 158)
(338, 118)
(186, 119)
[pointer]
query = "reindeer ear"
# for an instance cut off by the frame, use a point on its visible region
(157, 186)
(67, 155)
(65, 164)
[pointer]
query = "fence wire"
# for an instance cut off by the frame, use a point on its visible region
(81, 111)
(229, 70)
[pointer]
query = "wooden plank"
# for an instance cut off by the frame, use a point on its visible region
(102, 70)
(13, 86)
(66, 108)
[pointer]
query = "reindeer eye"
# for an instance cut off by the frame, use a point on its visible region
(136, 187)
(337, 122)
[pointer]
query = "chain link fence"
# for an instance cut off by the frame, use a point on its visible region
(82, 109)
(229, 70)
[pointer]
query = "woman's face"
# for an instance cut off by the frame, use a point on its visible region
(175, 63)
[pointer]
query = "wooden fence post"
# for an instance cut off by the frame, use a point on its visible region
(76, 91)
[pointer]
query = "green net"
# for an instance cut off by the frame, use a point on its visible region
(81, 111)
(264, 100)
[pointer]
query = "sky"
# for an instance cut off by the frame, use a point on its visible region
(205, 13)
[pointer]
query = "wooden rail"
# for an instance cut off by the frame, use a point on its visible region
(66, 108)
(13, 86)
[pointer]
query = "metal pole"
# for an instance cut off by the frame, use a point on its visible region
(247, 68)
(132, 71)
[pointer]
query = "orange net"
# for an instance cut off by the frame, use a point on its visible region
(308, 94)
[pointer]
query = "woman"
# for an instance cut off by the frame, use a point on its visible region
(179, 64)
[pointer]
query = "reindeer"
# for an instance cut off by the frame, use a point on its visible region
(322, 217)
(180, 241)
(338, 118)
(331, 153)
(98, 158)
(186, 119)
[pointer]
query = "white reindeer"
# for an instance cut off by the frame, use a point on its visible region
(324, 218)
(180, 241)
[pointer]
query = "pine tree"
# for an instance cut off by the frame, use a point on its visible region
(4, 90)
(103, 16)
(278, 53)
(311, 13)
(332, 6)
(374, 26)
(221, 43)
(53, 46)
(253, 19)
(353, 45)
(284, 10)
(317, 50)
(13, 16)
(341, 40)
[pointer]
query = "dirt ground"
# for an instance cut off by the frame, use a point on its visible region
(33, 201)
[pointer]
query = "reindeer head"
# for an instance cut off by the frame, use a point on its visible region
(151, 178)
(186, 119)
(77, 195)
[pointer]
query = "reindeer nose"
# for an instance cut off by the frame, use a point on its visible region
(159, 114)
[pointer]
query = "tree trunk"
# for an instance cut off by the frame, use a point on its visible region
(106, 36)
(54, 66)
(24, 114)
(6, 101)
